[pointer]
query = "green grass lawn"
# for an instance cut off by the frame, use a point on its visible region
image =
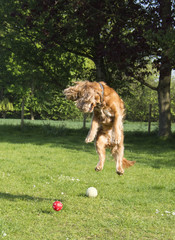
(48, 161)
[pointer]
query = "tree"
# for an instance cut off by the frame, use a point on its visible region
(138, 101)
(120, 37)
(34, 66)
(161, 36)
(173, 99)
(5, 105)
(165, 71)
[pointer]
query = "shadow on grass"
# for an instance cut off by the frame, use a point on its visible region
(82, 195)
(13, 197)
(40, 135)
(146, 149)
(151, 150)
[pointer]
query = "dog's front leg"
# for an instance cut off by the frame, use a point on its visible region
(93, 130)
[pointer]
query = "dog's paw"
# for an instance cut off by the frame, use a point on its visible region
(99, 166)
(98, 169)
(89, 139)
(116, 139)
(120, 171)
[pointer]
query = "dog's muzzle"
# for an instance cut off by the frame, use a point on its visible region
(85, 107)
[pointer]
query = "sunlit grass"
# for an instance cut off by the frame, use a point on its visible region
(49, 161)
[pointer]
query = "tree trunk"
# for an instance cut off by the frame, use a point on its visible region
(149, 118)
(22, 113)
(32, 115)
(101, 75)
(164, 98)
(32, 95)
(165, 72)
(84, 120)
(4, 115)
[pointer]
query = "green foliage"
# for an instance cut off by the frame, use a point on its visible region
(45, 45)
(6, 105)
(56, 107)
(35, 67)
(138, 101)
(137, 104)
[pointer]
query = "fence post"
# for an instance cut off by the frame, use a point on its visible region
(149, 118)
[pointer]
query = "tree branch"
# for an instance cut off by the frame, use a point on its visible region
(78, 53)
(147, 84)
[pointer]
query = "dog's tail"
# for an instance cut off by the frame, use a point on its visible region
(127, 164)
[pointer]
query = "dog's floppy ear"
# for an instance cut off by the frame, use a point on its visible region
(74, 92)
(70, 93)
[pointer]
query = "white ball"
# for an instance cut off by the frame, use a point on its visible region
(91, 192)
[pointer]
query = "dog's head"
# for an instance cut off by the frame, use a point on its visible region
(86, 95)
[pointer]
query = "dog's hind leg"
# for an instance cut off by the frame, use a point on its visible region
(118, 153)
(101, 142)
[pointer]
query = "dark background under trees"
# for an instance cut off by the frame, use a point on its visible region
(45, 45)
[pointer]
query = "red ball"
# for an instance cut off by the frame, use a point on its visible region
(57, 206)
